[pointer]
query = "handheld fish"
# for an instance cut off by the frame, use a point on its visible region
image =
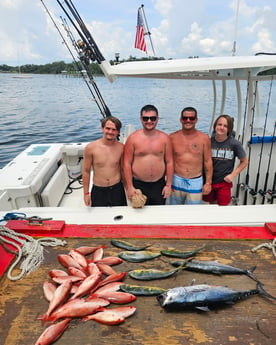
(204, 296)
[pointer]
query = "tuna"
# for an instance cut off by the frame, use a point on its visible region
(204, 297)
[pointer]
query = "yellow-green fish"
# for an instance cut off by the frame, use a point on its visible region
(138, 256)
(126, 245)
(140, 290)
(180, 254)
(151, 274)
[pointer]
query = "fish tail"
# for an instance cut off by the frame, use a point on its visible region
(263, 292)
(200, 248)
(44, 318)
(250, 274)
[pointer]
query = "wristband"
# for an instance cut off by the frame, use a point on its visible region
(86, 193)
(167, 185)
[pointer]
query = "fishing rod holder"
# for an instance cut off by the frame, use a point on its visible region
(253, 192)
(262, 192)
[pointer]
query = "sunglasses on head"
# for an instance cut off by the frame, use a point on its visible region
(146, 118)
(186, 118)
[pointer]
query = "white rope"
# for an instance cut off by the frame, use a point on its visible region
(271, 246)
(31, 250)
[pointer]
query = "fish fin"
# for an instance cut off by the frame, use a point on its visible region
(263, 292)
(252, 269)
(203, 308)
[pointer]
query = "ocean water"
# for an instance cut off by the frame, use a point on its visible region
(54, 108)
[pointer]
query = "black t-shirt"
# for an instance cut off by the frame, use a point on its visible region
(223, 155)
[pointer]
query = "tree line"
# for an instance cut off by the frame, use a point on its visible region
(60, 67)
(57, 67)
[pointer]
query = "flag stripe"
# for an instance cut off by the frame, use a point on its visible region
(140, 33)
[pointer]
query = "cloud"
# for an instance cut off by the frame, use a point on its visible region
(264, 42)
(179, 28)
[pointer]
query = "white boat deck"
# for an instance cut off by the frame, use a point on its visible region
(73, 211)
(256, 215)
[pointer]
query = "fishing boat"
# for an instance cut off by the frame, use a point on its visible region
(41, 195)
(45, 179)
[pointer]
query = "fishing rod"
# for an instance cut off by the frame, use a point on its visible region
(104, 110)
(82, 30)
(273, 192)
(84, 56)
(264, 191)
(236, 198)
(249, 150)
(262, 146)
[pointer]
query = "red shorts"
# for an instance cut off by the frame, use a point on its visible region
(221, 193)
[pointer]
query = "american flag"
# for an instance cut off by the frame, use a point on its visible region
(140, 33)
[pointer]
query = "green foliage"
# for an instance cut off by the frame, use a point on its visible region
(57, 67)
(60, 67)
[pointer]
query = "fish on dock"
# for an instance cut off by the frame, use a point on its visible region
(127, 245)
(214, 267)
(142, 290)
(204, 296)
(151, 274)
(138, 256)
(180, 254)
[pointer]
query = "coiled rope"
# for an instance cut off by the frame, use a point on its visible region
(29, 249)
(271, 246)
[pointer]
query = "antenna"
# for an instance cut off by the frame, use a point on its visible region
(236, 29)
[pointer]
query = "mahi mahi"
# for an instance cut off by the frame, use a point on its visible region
(180, 254)
(138, 256)
(126, 245)
(141, 290)
(151, 274)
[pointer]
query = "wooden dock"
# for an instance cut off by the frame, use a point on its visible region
(248, 322)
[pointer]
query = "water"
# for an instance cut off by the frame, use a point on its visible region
(48, 108)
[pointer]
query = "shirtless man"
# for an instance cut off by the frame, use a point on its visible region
(104, 156)
(148, 161)
(192, 159)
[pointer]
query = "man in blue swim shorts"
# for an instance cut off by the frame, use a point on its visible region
(192, 159)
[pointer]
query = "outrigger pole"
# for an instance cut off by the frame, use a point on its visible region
(83, 64)
(82, 30)
(147, 29)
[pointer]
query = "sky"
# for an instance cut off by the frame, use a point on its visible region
(178, 28)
